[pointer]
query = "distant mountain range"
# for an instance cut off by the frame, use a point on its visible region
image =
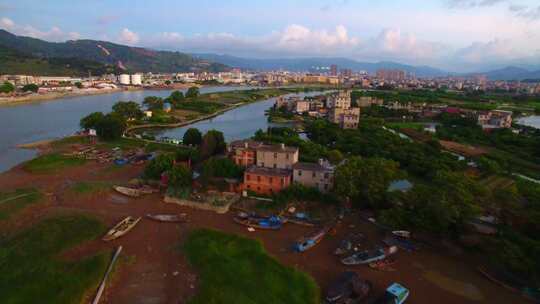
(134, 59)
(306, 64)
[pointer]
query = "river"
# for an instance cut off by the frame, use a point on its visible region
(238, 123)
(531, 121)
(35, 121)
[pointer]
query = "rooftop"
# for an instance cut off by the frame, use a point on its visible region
(311, 167)
(277, 148)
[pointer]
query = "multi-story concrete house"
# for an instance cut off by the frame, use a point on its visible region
(277, 156)
(318, 175)
(302, 106)
(266, 180)
(495, 119)
(341, 99)
(244, 152)
(345, 118)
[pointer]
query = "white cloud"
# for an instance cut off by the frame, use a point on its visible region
(54, 34)
(128, 37)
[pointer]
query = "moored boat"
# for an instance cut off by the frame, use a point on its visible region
(121, 228)
(308, 242)
(351, 243)
(267, 223)
(369, 256)
(127, 191)
(168, 218)
(402, 233)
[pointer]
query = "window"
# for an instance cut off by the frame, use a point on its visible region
(249, 186)
(287, 156)
(314, 174)
(282, 182)
(325, 186)
(248, 177)
(270, 180)
(275, 155)
(326, 175)
(258, 179)
(258, 188)
(299, 172)
(275, 166)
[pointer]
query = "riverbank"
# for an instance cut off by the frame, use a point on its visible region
(5, 101)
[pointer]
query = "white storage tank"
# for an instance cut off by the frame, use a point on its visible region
(124, 79)
(136, 79)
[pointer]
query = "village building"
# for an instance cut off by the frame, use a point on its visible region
(345, 118)
(244, 152)
(266, 181)
(495, 119)
(302, 106)
(277, 156)
(318, 175)
(368, 101)
(341, 99)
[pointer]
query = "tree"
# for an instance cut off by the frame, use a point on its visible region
(335, 156)
(192, 137)
(158, 165)
(30, 88)
(7, 87)
(176, 97)
(153, 103)
(111, 127)
(213, 143)
(221, 167)
(79, 85)
(128, 110)
(180, 177)
(366, 179)
(91, 121)
(192, 92)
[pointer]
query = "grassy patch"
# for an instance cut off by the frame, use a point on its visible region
(90, 187)
(52, 163)
(32, 272)
(234, 269)
(406, 125)
(14, 201)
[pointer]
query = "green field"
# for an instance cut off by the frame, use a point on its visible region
(237, 270)
(14, 201)
(33, 272)
(52, 163)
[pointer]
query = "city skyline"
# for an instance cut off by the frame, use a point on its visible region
(455, 35)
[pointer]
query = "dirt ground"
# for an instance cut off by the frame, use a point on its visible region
(154, 270)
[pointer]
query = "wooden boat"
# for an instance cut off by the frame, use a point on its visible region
(121, 228)
(127, 191)
(168, 218)
(306, 243)
(267, 223)
(369, 256)
(402, 234)
(383, 265)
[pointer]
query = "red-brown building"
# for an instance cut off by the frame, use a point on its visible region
(244, 152)
(266, 180)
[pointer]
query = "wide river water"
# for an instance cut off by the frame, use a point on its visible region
(26, 123)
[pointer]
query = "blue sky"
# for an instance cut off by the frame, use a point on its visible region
(458, 35)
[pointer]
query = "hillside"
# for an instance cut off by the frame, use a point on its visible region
(133, 59)
(15, 62)
(305, 64)
(512, 73)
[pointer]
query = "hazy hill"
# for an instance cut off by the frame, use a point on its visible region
(305, 64)
(512, 73)
(134, 59)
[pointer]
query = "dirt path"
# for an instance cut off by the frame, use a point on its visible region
(154, 270)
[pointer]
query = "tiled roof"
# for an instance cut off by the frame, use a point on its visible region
(277, 148)
(310, 167)
(268, 171)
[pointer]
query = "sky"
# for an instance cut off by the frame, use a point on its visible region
(455, 35)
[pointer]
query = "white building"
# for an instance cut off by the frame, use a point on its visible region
(124, 79)
(136, 79)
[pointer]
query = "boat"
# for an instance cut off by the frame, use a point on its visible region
(267, 223)
(394, 294)
(127, 191)
(369, 256)
(168, 218)
(301, 219)
(348, 286)
(401, 243)
(383, 265)
(402, 233)
(309, 242)
(121, 228)
(349, 244)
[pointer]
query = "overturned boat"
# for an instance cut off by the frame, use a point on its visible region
(308, 242)
(131, 192)
(369, 256)
(168, 218)
(121, 228)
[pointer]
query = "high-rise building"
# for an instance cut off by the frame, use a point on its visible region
(333, 70)
(395, 75)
